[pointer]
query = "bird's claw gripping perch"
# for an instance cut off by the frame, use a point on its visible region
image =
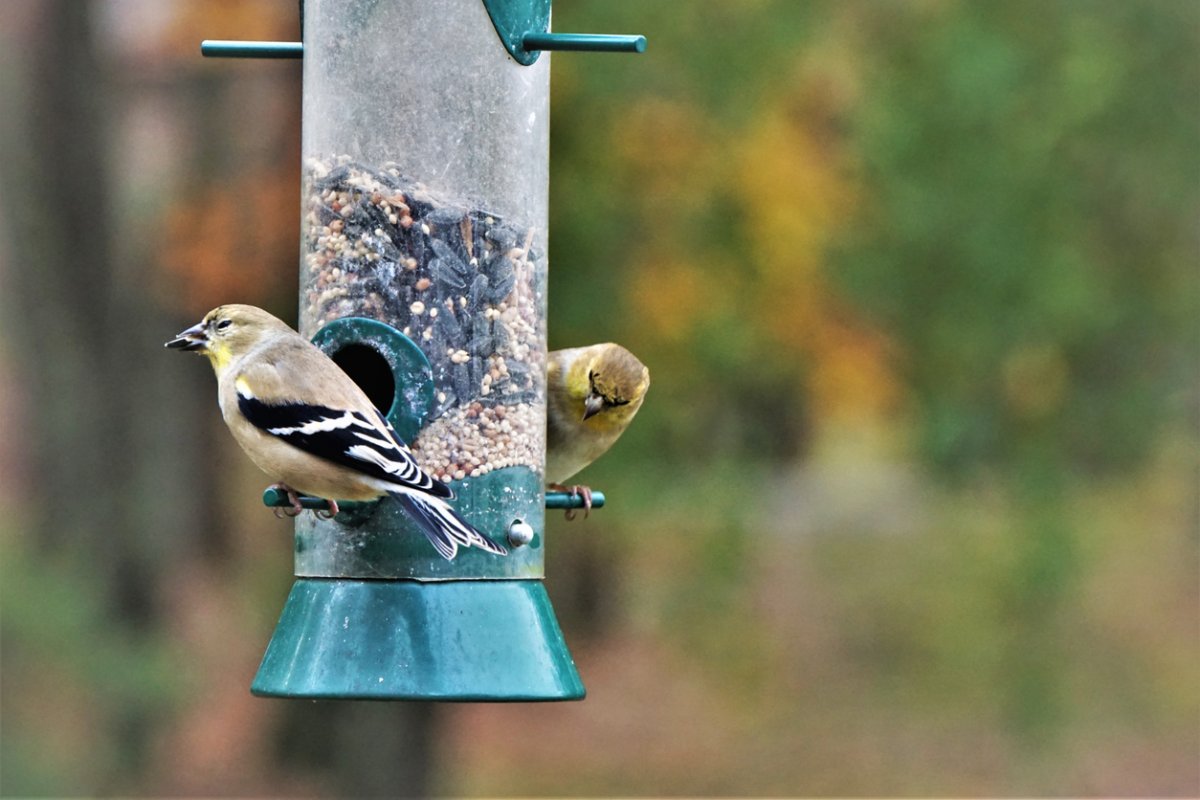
(577, 490)
(297, 506)
(327, 513)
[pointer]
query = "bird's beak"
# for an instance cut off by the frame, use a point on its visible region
(592, 404)
(194, 338)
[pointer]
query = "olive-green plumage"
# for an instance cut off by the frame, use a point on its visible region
(592, 394)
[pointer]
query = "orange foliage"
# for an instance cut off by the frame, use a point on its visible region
(671, 295)
(784, 176)
(227, 237)
(797, 195)
(851, 373)
(671, 150)
(234, 241)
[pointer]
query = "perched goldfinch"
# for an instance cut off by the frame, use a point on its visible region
(592, 394)
(306, 423)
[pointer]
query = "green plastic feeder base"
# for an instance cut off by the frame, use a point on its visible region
(476, 640)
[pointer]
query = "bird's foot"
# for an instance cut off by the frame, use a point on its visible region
(293, 497)
(328, 513)
(297, 508)
(578, 490)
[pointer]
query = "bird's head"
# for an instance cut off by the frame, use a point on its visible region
(616, 384)
(226, 332)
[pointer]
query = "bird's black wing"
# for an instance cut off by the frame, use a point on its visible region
(348, 438)
(443, 527)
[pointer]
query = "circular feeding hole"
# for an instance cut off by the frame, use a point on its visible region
(370, 371)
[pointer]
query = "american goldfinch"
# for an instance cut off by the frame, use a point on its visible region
(592, 394)
(306, 423)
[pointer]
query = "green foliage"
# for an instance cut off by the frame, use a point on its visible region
(60, 647)
(1000, 200)
(1034, 178)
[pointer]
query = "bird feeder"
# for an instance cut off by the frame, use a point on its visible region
(423, 274)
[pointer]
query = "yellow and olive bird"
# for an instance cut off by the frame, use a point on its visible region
(592, 394)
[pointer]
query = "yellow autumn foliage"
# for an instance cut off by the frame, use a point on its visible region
(798, 195)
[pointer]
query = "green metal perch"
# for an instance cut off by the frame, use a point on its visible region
(274, 498)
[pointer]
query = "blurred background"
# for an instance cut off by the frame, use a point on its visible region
(911, 508)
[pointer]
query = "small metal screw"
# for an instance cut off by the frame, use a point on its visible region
(520, 533)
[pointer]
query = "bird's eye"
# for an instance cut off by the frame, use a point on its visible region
(224, 324)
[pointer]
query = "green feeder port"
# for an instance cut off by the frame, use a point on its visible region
(423, 274)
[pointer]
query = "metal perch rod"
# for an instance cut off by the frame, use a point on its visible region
(273, 498)
(220, 48)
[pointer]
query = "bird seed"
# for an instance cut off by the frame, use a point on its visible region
(464, 284)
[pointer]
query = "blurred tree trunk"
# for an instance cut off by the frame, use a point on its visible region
(63, 271)
(77, 335)
(364, 748)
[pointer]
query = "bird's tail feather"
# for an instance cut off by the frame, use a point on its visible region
(445, 529)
